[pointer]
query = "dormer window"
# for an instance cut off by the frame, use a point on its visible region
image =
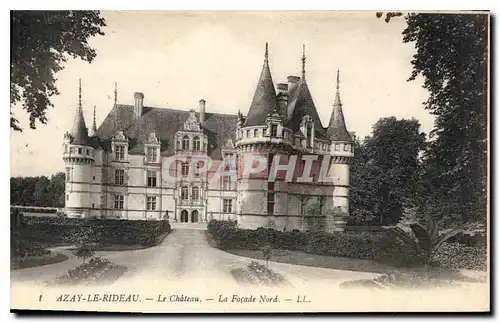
(119, 152)
(196, 143)
(152, 154)
(274, 130)
(185, 143)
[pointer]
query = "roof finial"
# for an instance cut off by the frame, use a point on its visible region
(266, 55)
(116, 95)
(93, 129)
(80, 95)
(338, 79)
(303, 61)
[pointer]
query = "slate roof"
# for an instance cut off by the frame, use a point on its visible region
(264, 99)
(79, 131)
(300, 104)
(165, 123)
(337, 130)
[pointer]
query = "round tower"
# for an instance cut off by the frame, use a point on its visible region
(78, 157)
(341, 153)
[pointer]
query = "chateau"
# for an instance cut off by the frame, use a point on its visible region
(117, 170)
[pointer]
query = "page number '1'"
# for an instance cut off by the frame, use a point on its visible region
(40, 298)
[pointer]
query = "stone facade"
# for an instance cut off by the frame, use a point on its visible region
(153, 163)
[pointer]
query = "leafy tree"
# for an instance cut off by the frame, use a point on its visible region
(38, 191)
(84, 239)
(41, 41)
(385, 171)
(267, 251)
(452, 56)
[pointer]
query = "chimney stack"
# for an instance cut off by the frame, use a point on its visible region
(202, 111)
(139, 104)
(292, 82)
(283, 99)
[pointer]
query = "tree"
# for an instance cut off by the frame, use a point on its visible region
(452, 56)
(267, 251)
(41, 41)
(385, 171)
(83, 238)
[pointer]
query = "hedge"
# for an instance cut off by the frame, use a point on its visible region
(104, 232)
(377, 246)
(363, 245)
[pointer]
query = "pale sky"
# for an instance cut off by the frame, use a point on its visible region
(177, 58)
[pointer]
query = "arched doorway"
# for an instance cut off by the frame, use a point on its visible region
(194, 216)
(184, 216)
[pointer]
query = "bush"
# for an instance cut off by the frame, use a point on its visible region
(378, 246)
(105, 232)
(455, 255)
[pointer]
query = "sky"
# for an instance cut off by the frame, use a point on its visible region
(177, 58)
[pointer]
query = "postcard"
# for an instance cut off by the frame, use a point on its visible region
(250, 161)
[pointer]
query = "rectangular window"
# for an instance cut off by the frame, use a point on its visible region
(184, 193)
(321, 204)
(68, 174)
(227, 206)
(274, 130)
(337, 146)
(302, 206)
(152, 155)
(270, 198)
(151, 178)
(346, 147)
(185, 169)
(93, 205)
(119, 152)
(226, 182)
(67, 197)
(196, 194)
(119, 177)
(151, 203)
(119, 202)
(79, 150)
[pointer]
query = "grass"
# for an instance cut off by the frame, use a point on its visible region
(314, 260)
(36, 261)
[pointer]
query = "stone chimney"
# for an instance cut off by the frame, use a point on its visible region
(292, 82)
(202, 111)
(283, 99)
(138, 104)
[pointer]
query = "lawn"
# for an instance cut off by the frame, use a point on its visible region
(314, 260)
(34, 261)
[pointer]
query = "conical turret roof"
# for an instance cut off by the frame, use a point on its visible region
(79, 131)
(264, 99)
(337, 130)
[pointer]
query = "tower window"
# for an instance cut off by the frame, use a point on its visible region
(79, 150)
(93, 205)
(185, 143)
(151, 203)
(119, 202)
(119, 152)
(274, 130)
(248, 133)
(337, 146)
(302, 210)
(270, 198)
(68, 174)
(309, 137)
(256, 132)
(196, 193)
(151, 178)
(67, 197)
(196, 143)
(119, 177)
(321, 204)
(346, 147)
(184, 192)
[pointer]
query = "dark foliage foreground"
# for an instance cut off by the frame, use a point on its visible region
(51, 230)
(378, 246)
(258, 274)
(96, 271)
